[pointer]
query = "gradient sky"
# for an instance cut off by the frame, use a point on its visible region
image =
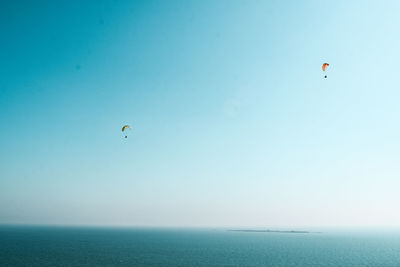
(233, 122)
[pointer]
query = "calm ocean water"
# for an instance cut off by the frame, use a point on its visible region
(58, 246)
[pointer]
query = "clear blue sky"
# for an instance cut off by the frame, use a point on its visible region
(233, 122)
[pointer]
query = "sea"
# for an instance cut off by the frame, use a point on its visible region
(99, 246)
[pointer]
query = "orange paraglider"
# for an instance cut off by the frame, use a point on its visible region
(324, 66)
(125, 128)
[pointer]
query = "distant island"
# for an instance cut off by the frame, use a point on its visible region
(271, 231)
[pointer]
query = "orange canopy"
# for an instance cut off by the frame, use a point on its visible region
(126, 127)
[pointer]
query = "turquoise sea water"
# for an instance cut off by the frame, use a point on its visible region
(73, 246)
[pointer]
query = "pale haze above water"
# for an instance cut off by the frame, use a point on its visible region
(233, 121)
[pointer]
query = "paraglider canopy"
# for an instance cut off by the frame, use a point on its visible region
(126, 127)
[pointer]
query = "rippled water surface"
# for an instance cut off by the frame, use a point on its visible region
(62, 246)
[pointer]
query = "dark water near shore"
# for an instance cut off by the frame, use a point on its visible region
(73, 246)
